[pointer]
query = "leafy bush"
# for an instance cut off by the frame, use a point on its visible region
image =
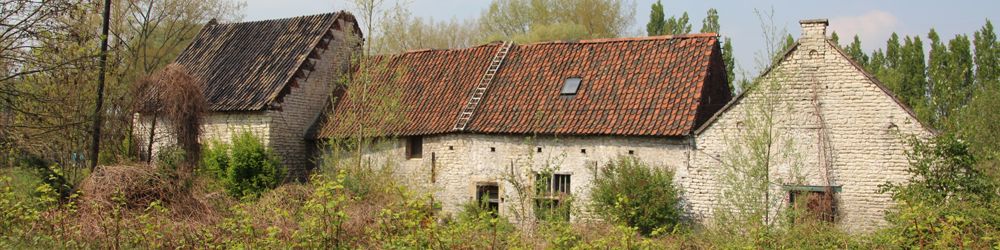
(215, 159)
(629, 191)
(247, 168)
(948, 202)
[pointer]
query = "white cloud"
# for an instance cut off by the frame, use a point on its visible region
(875, 25)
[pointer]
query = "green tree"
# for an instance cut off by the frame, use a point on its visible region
(952, 79)
(913, 71)
(582, 19)
(656, 20)
(711, 22)
(937, 69)
(987, 56)
(678, 25)
(835, 38)
(711, 25)
(856, 53)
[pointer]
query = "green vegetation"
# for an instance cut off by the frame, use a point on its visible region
(630, 192)
(247, 168)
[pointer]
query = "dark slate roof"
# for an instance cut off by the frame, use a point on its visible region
(248, 66)
(655, 86)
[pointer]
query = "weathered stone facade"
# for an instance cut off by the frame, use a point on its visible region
(840, 127)
(286, 126)
(461, 161)
(845, 129)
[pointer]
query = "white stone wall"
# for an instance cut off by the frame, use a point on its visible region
(217, 126)
(863, 127)
(460, 161)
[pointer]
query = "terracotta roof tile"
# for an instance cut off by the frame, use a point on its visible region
(633, 86)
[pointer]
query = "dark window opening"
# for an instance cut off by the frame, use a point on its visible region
(488, 196)
(539, 149)
(493, 149)
(414, 147)
(451, 147)
(551, 193)
(583, 150)
(571, 86)
(631, 152)
(814, 203)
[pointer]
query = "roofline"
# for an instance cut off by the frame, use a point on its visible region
(858, 67)
(884, 89)
(628, 39)
(588, 41)
(737, 98)
(281, 92)
(450, 132)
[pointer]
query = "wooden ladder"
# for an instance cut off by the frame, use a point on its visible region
(477, 95)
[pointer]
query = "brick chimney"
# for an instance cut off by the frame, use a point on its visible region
(814, 29)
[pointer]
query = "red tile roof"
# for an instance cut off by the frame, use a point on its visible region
(654, 86)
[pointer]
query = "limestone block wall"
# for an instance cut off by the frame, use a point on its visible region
(217, 126)
(837, 127)
(301, 108)
(453, 164)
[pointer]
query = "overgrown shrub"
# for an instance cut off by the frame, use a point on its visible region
(948, 202)
(629, 191)
(253, 168)
(215, 159)
(247, 168)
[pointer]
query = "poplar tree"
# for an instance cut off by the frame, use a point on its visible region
(856, 53)
(913, 76)
(711, 25)
(987, 52)
(656, 20)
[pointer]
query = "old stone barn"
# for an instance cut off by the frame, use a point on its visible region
(471, 117)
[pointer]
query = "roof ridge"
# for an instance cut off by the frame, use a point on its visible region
(283, 19)
(629, 39)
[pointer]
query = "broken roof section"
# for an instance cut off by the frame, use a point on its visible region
(249, 66)
(649, 86)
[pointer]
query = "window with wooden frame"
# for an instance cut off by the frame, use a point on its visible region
(414, 147)
(488, 197)
(815, 202)
(552, 196)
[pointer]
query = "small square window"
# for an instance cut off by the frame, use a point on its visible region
(631, 152)
(451, 147)
(539, 150)
(493, 149)
(583, 151)
(414, 147)
(571, 86)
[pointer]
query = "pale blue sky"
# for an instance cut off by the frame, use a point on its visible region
(874, 21)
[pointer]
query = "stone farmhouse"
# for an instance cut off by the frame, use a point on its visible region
(271, 77)
(474, 119)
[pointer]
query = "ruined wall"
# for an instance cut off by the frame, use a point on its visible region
(825, 105)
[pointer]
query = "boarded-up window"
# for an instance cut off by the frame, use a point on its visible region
(488, 196)
(814, 203)
(414, 147)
